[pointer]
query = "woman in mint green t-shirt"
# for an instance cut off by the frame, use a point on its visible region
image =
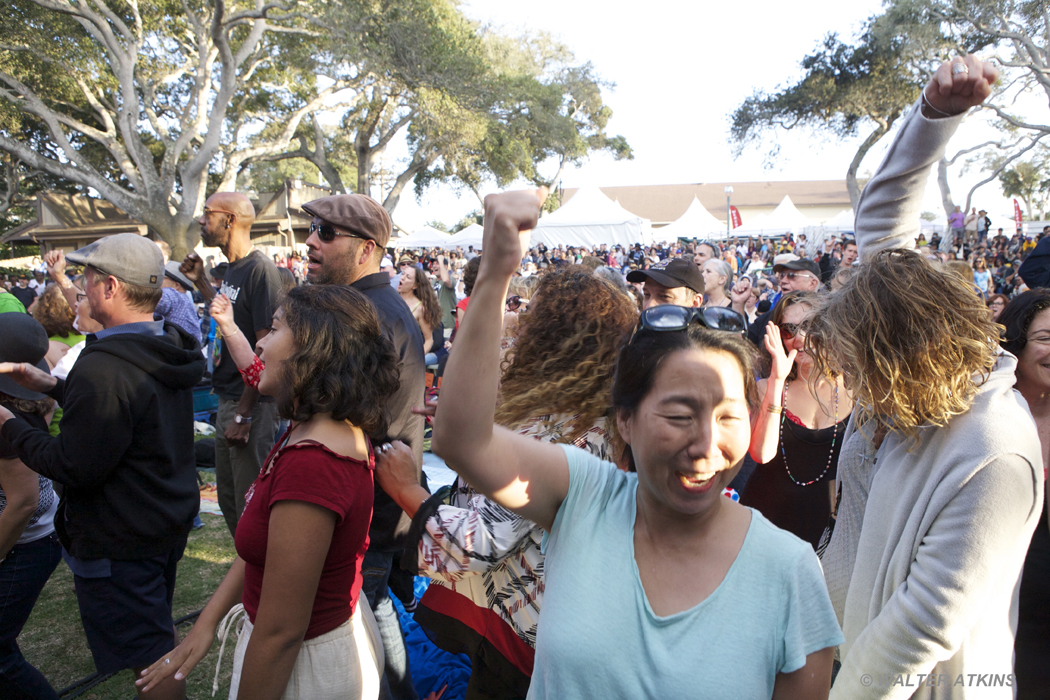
(656, 585)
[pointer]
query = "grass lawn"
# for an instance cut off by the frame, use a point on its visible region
(53, 639)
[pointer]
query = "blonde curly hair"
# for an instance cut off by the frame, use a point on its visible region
(566, 352)
(913, 342)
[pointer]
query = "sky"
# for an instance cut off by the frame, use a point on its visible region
(680, 70)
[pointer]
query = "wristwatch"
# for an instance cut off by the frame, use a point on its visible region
(241, 420)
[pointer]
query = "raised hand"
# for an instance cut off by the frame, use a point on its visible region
(222, 312)
(56, 263)
(953, 89)
(782, 360)
(193, 267)
(509, 217)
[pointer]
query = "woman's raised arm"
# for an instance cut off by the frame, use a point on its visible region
(522, 474)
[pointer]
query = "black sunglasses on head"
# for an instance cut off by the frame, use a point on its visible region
(667, 317)
(327, 233)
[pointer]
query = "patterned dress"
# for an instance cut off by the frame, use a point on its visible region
(486, 572)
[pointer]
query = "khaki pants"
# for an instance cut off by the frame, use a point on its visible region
(344, 664)
(236, 467)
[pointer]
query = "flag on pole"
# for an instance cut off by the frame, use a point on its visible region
(735, 214)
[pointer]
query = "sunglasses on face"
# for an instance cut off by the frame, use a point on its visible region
(514, 302)
(789, 330)
(327, 232)
(792, 275)
(677, 318)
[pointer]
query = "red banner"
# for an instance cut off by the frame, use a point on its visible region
(735, 213)
(1017, 215)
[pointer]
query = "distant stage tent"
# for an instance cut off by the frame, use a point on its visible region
(841, 222)
(696, 222)
(784, 219)
(426, 237)
(589, 219)
(470, 236)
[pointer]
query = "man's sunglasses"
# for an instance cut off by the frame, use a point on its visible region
(677, 318)
(790, 275)
(327, 232)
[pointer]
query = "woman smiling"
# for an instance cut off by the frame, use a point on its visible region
(700, 584)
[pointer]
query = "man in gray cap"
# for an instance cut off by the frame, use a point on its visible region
(672, 281)
(245, 422)
(347, 240)
(793, 274)
(125, 457)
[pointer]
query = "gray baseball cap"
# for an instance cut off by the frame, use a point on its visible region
(129, 257)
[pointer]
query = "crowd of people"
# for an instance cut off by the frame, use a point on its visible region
(818, 464)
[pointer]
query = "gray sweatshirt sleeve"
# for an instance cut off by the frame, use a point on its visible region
(889, 207)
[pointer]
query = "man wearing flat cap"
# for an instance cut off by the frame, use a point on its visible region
(347, 239)
(245, 422)
(793, 274)
(672, 281)
(125, 456)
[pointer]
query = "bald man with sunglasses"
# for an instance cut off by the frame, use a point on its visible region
(245, 422)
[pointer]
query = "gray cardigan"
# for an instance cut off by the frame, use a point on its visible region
(923, 567)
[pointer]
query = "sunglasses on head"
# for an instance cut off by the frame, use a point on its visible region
(327, 233)
(677, 318)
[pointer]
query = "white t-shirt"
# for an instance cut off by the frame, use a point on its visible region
(598, 636)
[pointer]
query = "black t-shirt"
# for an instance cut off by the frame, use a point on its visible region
(389, 523)
(252, 284)
(23, 294)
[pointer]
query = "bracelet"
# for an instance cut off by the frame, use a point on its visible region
(774, 409)
(926, 101)
(230, 335)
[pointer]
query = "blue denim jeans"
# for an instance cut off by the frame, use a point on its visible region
(375, 572)
(23, 574)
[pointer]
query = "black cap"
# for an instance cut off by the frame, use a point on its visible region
(800, 264)
(22, 339)
(671, 273)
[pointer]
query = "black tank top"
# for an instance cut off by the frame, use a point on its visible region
(801, 510)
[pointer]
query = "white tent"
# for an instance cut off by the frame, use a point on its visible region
(426, 237)
(696, 222)
(589, 219)
(784, 219)
(470, 236)
(841, 222)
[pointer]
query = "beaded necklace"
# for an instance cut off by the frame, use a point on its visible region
(834, 436)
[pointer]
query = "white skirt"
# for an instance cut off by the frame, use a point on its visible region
(344, 664)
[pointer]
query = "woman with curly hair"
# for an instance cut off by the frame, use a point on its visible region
(303, 534)
(484, 561)
(940, 478)
(422, 302)
(53, 313)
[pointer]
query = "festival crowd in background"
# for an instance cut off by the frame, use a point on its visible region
(763, 467)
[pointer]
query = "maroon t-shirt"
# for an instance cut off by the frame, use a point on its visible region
(310, 472)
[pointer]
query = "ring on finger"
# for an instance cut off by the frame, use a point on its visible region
(958, 68)
(167, 661)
